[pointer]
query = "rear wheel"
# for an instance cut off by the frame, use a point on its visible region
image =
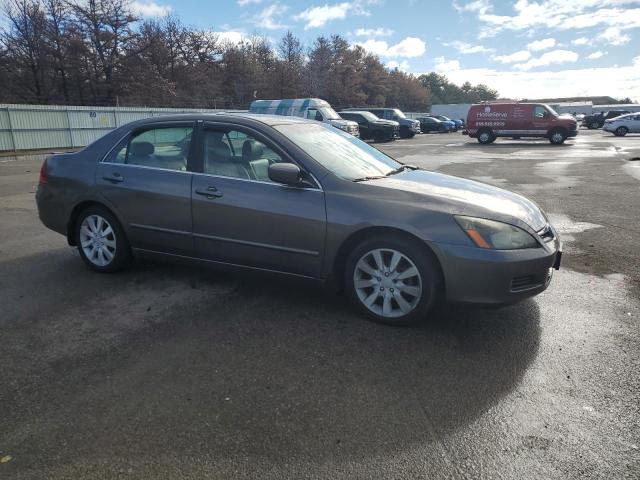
(486, 136)
(557, 137)
(101, 240)
(392, 280)
(621, 131)
(594, 125)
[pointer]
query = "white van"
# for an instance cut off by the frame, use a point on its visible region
(312, 108)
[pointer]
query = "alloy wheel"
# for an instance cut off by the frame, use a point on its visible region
(98, 240)
(387, 283)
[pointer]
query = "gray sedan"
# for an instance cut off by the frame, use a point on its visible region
(295, 197)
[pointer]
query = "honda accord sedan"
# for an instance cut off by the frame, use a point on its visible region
(296, 197)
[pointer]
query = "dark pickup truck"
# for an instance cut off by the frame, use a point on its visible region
(371, 127)
(597, 120)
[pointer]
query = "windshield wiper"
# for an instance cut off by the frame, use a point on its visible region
(402, 168)
(392, 172)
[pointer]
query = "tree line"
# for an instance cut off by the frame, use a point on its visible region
(97, 52)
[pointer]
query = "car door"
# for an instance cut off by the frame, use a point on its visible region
(145, 178)
(363, 125)
(541, 120)
(241, 217)
(634, 124)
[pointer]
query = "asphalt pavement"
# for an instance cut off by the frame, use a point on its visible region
(168, 371)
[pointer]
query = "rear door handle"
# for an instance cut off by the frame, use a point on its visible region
(114, 178)
(210, 192)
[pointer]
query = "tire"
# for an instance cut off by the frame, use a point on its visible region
(621, 131)
(486, 136)
(557, 137)
(594, 126)
(101, 241)
(392, 301)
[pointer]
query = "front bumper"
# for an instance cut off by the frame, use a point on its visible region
(497, 277)
(608, 127)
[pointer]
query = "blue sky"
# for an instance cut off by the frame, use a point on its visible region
(526, 48)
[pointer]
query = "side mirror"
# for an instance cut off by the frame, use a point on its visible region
(286, 173)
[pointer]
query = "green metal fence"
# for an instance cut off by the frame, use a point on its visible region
(33, 127)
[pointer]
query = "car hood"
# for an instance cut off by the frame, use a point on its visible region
(460, 196)
(341, 122)
(386, 122)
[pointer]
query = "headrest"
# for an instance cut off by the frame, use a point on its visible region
(141, 149)
(217, 150)
(251, 150)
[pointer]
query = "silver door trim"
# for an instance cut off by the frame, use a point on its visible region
(300, 251)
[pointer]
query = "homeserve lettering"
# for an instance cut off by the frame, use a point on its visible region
(491, 115)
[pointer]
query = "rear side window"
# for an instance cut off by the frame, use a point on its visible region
(165, 148)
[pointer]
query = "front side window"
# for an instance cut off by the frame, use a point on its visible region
(538, 111)
(341, 153)
(236, 154)
(166, 148)
(314, 114)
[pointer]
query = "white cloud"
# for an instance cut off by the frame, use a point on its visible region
(555, 14)
(318, 16)
(409, 47)
(468, 48)
(446, 66)
(232, 37)
(519, 56)
(620, 81)
(550, 58)
(374, 32)
(267, 17)
(402, 66)
(613, 36)
(544, 44)
(580, 41)
(150, 9)
(244, 3)
(596, 55)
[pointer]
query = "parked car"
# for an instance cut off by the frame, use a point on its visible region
(597, 120)
(446, 120)
(431, 124)
(311, 108)
(296, 197)
(372, 127)
(488, 121)
(623, 124)
(408, 127)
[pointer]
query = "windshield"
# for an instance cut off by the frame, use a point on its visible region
(341, 153)
(329, 113)
(551, 110)
(398, 113)
(369, 116)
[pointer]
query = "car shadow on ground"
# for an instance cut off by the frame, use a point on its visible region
(258, 369)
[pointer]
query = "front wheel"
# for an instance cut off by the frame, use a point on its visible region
(621, 131)
(392, 280)
(594, 125)
(101, 240)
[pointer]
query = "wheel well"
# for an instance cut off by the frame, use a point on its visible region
(340, 260)
(73, 218)
(485, 129)
(557, 129)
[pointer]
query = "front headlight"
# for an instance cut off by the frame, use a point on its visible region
(496, 235)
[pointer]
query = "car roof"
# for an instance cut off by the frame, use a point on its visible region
(236, 117)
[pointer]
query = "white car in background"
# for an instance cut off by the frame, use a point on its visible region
(620, 126)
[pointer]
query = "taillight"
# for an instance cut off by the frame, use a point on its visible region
(43, 173)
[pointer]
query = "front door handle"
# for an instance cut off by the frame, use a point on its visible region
(210, 193)
(114, 178)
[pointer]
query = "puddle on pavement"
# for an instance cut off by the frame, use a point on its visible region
(568, 228)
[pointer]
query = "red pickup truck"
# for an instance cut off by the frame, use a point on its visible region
(488, 121)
